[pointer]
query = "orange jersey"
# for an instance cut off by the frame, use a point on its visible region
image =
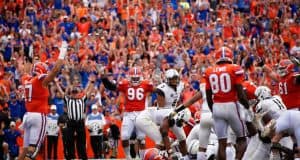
(36, 95)
(250, 88)
(221, 79)
(135, 96)
(289, 91)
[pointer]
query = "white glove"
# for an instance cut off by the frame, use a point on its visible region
(270, 127)
(63, 50)
(257, 120)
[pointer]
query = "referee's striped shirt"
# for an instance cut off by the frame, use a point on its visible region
(76, 108)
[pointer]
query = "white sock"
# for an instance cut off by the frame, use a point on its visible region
(230, 153)
(141, 153)
(201, 156)
(297, 159)
(127, 152)
(186, 157)
(274, 156)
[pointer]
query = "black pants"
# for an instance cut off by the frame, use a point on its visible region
(64, 132)
(52, 145)
(97, 146)
(78, 128)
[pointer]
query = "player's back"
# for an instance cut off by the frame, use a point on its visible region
(36, 95)
(273, 106)
(289, 91)
(222, 80)
(135, 95)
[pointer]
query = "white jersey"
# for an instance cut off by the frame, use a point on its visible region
(95, 123)
(273, 105)
(52, 127)
(171, 96)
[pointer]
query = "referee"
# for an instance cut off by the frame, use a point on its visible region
(76, 124)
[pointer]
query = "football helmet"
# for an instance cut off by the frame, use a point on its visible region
(224, 54)
(135, 75)
(39, 68)
(152, 154)
(172, 77)
(285, 67)
(262, 92)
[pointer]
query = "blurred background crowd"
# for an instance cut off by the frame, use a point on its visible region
(154, 34)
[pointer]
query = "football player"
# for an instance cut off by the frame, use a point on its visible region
(135, 89)
(288, 83)
(168, 96)
(223, 92)
(36, 98)
(272, 107)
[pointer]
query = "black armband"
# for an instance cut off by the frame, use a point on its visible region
(179, 108)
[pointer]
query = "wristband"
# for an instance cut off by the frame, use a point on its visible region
(179, 108)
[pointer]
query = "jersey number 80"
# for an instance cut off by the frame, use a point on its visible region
(220, 83)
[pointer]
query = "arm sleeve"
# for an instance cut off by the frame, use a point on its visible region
(239, 75)
(109, 85)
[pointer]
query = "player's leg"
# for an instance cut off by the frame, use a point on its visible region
(283, 123)
(144, 122)
(237, 124)
(252, 146)
(126, 131)
(262, 151)
(220, 126)
(181, 137)
(231, 141)
(296, 128)
(205, 126)
(37, 131)
(141, 142)
(25, 140)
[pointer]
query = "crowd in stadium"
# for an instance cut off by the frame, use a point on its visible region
(78, 64)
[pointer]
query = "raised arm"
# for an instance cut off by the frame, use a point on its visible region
(59, 87)
(63, 52)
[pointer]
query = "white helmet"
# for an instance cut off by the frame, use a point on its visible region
(193, 148)
(172, 77)
(262, 92)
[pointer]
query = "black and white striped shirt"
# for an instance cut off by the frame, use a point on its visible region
(76, 108)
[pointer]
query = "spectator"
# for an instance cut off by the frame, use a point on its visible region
(10, 137)
(52, 133)
(95, 122)
(16, 107)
